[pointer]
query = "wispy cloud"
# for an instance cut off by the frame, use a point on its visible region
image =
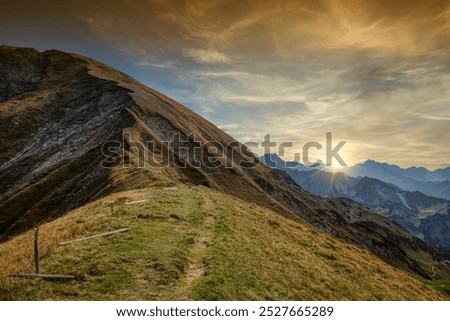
(375, 73)
(206, 56)
(163, 65)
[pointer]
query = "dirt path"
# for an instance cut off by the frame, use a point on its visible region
(435, 263)
(432, 269)
(197, 265)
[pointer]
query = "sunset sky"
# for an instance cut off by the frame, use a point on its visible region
(375, 73)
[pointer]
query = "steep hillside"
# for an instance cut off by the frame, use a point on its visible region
(73, 131)
(191, 243)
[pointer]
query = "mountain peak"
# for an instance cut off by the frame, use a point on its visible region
(374, 163)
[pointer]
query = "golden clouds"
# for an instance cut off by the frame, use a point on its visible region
(267, 30)
(374, 72)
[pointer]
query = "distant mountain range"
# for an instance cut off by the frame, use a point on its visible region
(434, 183)
(425, 216)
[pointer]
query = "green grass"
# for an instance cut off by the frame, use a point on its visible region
(192, 243)
(426, 266)
(440, 285)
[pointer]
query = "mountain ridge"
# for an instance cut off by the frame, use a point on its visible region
(433, 183)
(436, 174)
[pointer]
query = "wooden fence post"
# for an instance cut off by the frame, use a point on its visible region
(36, 251)
(37, 264)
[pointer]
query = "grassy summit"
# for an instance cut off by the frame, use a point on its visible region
(192, 243)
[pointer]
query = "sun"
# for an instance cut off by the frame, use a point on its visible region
(341, 167)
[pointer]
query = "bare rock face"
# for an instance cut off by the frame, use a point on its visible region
(21, 71)
(73, 130)
(54, 118)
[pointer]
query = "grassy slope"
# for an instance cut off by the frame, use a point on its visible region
(193, 243)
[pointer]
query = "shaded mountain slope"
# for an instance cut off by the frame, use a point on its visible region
(63, 115)
(423, 215)
(439, 189)
(197, 244)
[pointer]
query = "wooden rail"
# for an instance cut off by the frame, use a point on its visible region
(58, 277)
(43, 276)
(95, 236)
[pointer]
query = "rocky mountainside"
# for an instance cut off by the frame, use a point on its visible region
(73, 130)
(424, 216)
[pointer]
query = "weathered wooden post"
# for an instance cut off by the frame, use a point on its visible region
(36, 251)
(60, 277)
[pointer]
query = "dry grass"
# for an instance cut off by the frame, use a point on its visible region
(196, 244)
(277, 259)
